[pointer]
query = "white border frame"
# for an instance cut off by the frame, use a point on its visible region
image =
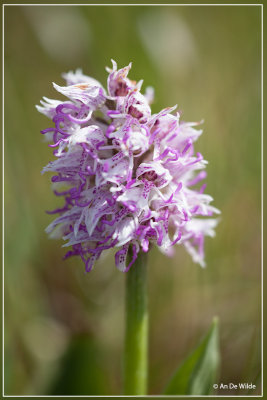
(3, 256)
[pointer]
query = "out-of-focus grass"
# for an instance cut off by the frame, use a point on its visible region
(206, 59)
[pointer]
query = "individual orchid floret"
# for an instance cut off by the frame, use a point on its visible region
(130, 179)
(118, 83)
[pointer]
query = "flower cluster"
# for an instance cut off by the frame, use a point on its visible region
(127, 176)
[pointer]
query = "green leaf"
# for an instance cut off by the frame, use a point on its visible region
(197, 374)
(81, 371)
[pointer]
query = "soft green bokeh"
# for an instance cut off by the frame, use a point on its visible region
(206, 59)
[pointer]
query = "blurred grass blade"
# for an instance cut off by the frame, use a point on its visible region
(81, 373)
(198, 372)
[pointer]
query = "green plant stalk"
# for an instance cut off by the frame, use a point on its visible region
(136, 330)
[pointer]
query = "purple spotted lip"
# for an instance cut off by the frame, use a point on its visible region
(128, 177)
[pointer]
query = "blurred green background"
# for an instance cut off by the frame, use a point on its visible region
(64, 328)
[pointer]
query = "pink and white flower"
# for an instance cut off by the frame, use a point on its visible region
(128, 177)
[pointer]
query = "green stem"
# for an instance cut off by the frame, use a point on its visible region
(135, 357)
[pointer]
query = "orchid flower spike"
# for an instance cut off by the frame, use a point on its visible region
(129, 178)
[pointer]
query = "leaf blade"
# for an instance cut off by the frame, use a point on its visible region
(197, 374)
